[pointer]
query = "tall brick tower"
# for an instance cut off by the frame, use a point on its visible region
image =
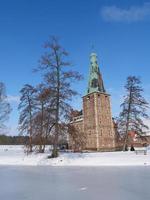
(97, 117)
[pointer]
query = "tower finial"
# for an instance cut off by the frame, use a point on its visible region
(92, 48)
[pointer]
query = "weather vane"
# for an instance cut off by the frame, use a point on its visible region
(92, 48)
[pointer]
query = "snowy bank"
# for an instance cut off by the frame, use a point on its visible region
(14, 155)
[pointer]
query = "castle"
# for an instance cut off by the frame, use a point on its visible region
(95, 121)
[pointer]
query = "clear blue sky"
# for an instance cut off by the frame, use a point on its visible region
(119, 30)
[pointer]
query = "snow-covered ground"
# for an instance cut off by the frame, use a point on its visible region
(14, 155)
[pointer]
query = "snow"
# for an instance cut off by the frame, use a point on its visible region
(14, 155)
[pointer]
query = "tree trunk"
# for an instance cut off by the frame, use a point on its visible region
(125, 146)
(41, 132)
(30, 132)
(55, 145)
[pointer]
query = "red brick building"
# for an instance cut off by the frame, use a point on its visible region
(96, 122)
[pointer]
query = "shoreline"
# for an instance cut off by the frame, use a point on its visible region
(14, 156)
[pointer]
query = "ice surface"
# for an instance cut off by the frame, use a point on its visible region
(74, 183)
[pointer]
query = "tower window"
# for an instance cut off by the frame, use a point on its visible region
(94, 83)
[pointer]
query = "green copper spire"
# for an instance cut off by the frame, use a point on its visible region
(95, 83)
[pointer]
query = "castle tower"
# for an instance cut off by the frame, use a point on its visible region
(97, 118)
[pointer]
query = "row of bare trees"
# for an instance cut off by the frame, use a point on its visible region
(45, 108)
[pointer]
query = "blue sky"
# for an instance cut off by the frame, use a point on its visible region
(119, 31)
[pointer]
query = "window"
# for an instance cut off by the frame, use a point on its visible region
(94, 83)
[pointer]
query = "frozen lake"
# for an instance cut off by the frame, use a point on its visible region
(74, 183)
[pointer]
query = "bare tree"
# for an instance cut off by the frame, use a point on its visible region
(27, 108)
(58, 79)
(44, 117)
(4, 106)
(36, 115)
(77, 138)
(133, 110)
